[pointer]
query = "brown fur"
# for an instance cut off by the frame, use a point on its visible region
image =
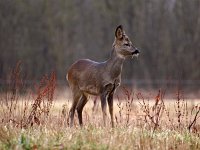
(99, 78)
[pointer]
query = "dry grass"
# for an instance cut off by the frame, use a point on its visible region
(39, 120)
(134, 127)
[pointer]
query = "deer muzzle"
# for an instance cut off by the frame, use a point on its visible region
(135, 53)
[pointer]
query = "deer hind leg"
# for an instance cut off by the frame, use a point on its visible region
(80, 106)
(76, 97)
(94, 108)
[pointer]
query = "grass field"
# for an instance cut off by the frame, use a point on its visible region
(142, 121)
(38, 119)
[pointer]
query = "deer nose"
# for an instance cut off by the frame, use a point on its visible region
(137, 51)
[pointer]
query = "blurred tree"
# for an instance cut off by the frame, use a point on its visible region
(50, 35)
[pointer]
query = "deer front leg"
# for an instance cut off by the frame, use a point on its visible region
(110, 104)
(107, 94)
(103, 106)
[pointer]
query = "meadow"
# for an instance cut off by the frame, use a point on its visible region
(37, 118)
(138, 125)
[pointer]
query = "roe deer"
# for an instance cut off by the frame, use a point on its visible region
(99, 78)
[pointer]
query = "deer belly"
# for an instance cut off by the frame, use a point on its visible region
(90, 89)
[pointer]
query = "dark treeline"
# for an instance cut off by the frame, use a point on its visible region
(50, 35)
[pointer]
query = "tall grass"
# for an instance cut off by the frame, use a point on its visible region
(39, 120)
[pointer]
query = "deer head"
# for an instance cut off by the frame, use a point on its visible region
(122, 45)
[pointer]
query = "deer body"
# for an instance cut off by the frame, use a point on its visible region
(98, 78)
(92, 77)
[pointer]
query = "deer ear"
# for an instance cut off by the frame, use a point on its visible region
(119, 32)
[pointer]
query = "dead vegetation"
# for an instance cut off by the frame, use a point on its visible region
(26, 115)
(25, 111)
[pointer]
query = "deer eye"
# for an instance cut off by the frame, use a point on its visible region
(126, 44)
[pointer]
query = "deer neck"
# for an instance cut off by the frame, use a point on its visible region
(114, 65)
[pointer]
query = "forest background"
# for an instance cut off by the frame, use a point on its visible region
(49, 35)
